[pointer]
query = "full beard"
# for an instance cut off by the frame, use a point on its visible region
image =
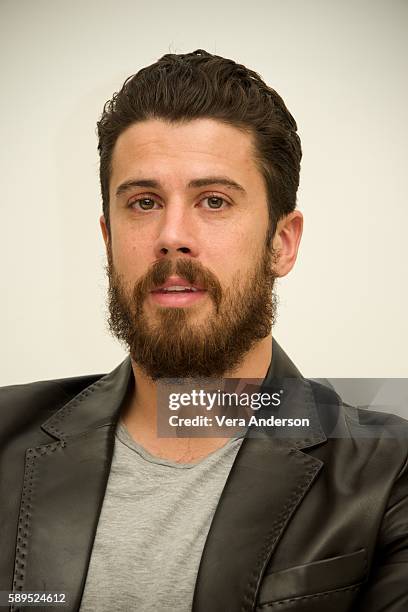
(169, 345)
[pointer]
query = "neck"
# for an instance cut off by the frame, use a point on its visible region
(140, 411)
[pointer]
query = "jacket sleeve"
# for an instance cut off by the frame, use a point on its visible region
(387, 586)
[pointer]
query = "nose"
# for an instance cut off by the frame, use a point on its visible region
(176, 233)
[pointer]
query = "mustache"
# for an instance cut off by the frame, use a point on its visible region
(192, 271)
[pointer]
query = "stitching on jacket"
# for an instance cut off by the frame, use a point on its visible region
(316, 432)
(277, 526)
(310, 403)
(67, 409)
(326, 594)
(25, 514)
(313, 413)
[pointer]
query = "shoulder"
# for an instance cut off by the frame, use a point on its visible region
(358, 417)
(36, 401)
(379, 435)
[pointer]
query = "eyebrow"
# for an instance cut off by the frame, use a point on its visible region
(201, 182)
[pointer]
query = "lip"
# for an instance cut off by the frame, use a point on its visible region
(177, 280)
(177, 300)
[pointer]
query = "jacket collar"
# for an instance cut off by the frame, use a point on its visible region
(96, 406)
(99, 404)
(281, 366)
(298, 402)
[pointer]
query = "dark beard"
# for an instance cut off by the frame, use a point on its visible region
(171, 346)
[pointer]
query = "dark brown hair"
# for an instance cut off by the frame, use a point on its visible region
(182, 87)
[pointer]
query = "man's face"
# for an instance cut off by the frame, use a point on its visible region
(189, 270)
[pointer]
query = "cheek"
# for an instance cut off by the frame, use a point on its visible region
(131, 254)
(247, 246)
(235, 261)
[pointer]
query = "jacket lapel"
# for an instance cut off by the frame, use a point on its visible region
(64, 486)
(268, 480)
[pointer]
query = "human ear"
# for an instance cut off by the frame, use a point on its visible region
(286, 242)
(104, 228)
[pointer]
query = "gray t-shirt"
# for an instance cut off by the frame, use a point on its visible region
(155, 518)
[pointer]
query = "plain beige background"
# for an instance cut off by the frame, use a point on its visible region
(341, 68)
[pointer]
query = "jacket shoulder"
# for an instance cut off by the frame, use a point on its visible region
(357, 417)
(370, 430)
(30, 403)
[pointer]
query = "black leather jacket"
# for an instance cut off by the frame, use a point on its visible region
(316, 523)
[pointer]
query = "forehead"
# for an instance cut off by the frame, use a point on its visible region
(200, 146)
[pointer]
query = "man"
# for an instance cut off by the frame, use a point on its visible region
(199, 167)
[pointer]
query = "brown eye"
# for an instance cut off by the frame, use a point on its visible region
(146, 203)
(215, 202)
(143, 204)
